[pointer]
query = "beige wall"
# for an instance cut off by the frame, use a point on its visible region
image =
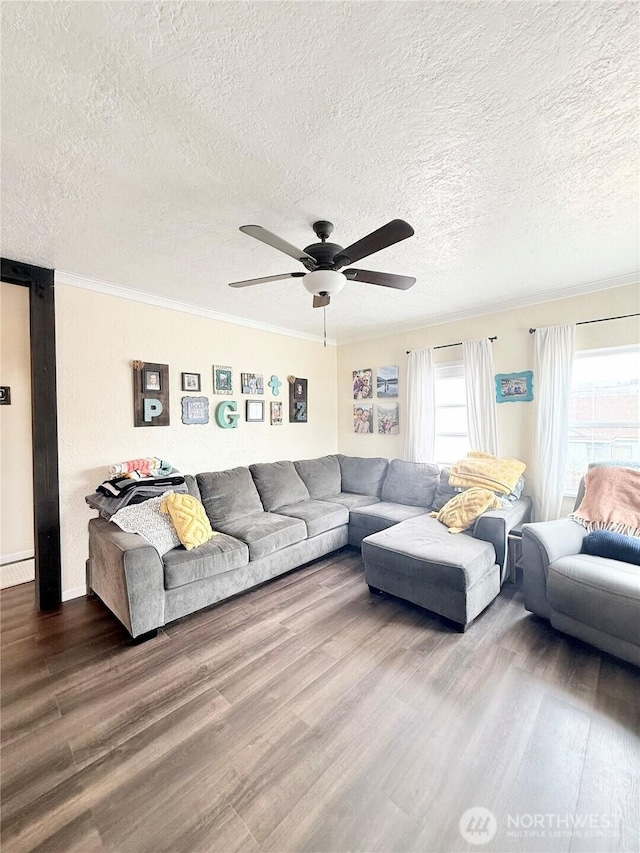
(98, 336)
(16, 489)
(513, 351)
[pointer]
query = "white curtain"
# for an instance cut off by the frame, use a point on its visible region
(479, 375)
(421, 407)
(552, 391)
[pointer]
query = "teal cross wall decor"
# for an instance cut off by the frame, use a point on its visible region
(274, 383)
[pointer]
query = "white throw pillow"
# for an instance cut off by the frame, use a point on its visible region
(147, 520)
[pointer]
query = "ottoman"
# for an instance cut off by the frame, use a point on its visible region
(418, 560)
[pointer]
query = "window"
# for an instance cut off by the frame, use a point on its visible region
(452, 432)
(605, 410)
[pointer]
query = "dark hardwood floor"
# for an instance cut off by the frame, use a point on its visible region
(308, 715)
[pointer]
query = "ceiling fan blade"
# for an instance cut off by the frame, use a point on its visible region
(321, 301)
(266, 278)
(276, 242)
(386, 279)
(389, 234)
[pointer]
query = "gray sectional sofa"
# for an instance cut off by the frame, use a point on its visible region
(273, 517)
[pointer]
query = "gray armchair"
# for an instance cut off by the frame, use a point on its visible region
(593, 598)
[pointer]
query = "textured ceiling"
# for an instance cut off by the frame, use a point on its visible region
(137, 137)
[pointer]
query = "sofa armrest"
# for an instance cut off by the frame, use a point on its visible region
(542, 544)
(494, 526)
(127, 573)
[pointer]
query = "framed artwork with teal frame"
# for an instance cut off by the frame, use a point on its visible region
(514, 387)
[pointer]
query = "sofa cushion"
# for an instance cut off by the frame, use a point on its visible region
(319, 516)
(445, 490)
(410, 483)
(363, 475)
(221, 554)
(228, 495)
(352, 501)
(278, 484)
(321, 476)
(598, 592)
(615, 546)
(383, 514)
(422, 547)
(265, 532)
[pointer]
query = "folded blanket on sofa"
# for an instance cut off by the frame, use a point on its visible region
(146, 466)
(611, 500)
(119, 485)
(138, 491)
(481, 470)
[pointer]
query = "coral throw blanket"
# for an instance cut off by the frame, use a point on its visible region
(611, 500)
(487, 472)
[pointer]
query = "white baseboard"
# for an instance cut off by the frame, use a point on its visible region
(75, 592)
(17, 573)
(17, 557)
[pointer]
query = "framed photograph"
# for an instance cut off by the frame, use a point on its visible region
(387, 381)
(195, 410)
(255, 411)
(363, 418)
(151, 379)
(150, 394)
(191, 382)
(388, 419)
(276, 413)
(514, 387)
(222, 379)
(252, 383)
(362, 385)
(298, 408)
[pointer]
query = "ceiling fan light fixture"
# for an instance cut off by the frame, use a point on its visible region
(324, 282)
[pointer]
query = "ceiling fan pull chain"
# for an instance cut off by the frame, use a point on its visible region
(324, 325)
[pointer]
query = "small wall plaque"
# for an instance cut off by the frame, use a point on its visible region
(5, 395)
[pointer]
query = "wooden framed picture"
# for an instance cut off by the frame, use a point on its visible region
(514, 387)
(298, 410)
(255, 411)
(195, 410)
(222, 379)
(276, 413)
(150, 394)
(191, 382)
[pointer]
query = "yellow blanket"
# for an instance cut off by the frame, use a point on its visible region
(487, 472)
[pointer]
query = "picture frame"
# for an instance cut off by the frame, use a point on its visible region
(252, 383)
(195, 410)
(276, 413)
(298, 403)
(362, 384)
(254, 411)
(191, 382)
(222, 379)
(514, 387)
(387, 381)
(150, 394)
(151, 379)
(363, 418)
(388, 419)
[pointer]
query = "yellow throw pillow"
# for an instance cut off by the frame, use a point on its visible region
(461, 511)
(189, 519)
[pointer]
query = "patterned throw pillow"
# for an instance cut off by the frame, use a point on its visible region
(460, 512)
(189, 519)
(147, 520)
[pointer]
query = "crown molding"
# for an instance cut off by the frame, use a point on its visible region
(498, 307)
(110, 289)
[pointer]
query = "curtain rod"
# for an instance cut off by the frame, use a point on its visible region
(459, 344)
(601, 320)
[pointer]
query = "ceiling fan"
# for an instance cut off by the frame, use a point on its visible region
(324, 260)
